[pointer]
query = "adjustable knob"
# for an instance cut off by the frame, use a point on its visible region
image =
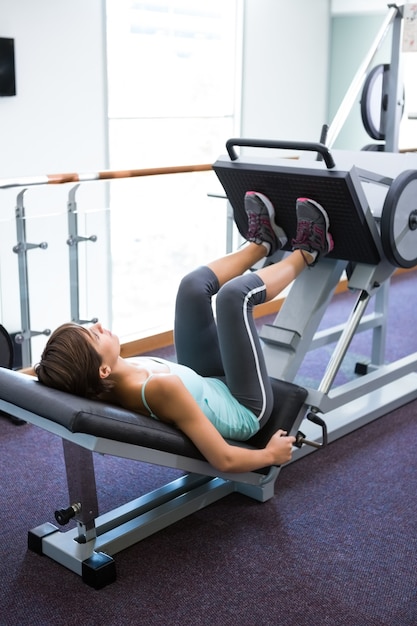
(63, 516)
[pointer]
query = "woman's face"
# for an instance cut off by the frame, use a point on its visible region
(105, 343)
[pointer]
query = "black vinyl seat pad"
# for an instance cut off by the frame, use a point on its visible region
(80, 415)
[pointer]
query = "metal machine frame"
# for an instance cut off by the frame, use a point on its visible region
(371, 202)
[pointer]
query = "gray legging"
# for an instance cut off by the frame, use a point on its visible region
(229, 349)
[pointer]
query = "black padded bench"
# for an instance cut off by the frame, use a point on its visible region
(87, 426)
(79, 415)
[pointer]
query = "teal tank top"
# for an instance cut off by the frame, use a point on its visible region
(231, 419)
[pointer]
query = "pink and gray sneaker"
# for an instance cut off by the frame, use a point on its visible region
(261, 222)
(312, 229)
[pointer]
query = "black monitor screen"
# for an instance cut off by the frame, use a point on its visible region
(7, 71)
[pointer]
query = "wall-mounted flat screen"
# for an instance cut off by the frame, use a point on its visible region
(7, 69)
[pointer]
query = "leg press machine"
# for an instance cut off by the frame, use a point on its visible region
(371, 199)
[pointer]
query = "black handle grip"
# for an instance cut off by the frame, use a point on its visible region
(281, 145)
(313, 417)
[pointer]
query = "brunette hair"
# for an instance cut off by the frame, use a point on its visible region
(70, 363)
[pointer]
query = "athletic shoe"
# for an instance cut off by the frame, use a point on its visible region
(261, 222)
(312, 229)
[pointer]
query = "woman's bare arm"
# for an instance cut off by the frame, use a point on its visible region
(172, 403)
(28, 370)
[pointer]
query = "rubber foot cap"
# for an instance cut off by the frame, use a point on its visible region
(98, 570)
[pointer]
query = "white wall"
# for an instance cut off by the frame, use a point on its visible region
(56, 123)
(285, 67)
(359, 6)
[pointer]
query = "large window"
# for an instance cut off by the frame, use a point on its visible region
(173, 88)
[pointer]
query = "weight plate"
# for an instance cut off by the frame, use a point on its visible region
(399, 221)
(6, 348)
(374, 101)
(371, 102)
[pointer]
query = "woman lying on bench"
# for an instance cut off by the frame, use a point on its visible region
(220, 387)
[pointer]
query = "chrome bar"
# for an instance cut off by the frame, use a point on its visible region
(344, 342)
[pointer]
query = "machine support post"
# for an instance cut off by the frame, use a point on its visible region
(287, 340)
(82, 488)
(379, 335)
(344, 342)
(395, 88)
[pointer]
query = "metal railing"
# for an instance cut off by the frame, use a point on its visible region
(23, 247)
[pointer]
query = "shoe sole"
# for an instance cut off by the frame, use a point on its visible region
(329, 238)
(279, 232)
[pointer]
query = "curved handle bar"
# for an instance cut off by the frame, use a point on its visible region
(285, 145)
